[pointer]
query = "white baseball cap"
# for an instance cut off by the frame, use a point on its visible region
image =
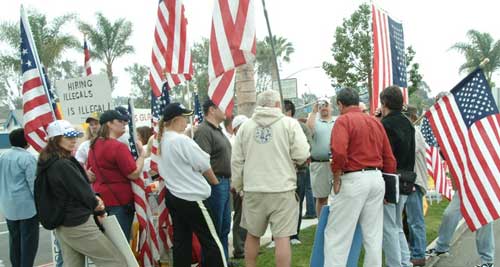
(324, 99)
(62, 127)
(238, 121)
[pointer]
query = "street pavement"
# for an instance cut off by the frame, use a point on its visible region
(464, 253)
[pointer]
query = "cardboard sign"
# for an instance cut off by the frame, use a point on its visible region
(80, 97)
(142, 117)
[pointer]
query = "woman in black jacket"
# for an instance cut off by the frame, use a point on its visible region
(77, 231)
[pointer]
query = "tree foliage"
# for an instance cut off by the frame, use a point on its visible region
(199, 53)
(51, 41)
(109, 41)
(141, 88)
(480, 45)
(352, 52)
(266, 69)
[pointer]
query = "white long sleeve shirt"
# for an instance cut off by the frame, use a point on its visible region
(181, 164)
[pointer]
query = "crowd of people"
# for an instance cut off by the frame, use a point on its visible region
(264, 164)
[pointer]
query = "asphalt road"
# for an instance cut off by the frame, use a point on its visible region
(43, 256)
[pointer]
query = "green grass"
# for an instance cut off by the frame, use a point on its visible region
(301, 253)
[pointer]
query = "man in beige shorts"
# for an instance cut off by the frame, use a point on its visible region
(265, 152)
(320, 122)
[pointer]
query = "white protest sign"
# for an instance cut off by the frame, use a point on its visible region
(142, 117)
(80, 97)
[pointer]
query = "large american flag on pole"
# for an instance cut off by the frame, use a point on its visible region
(232, 43)
(86, 59)
(436, 167)
(466, 126)
(198, 114)
(171, 55)
(148, 250)
(37, 108)
(389, 65)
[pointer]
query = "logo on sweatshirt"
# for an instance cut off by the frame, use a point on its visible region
(263, 135)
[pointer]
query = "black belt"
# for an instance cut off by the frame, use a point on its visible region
(365, 169)
(320, 160)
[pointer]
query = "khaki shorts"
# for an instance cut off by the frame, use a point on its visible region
(280, 210)
(321, 179)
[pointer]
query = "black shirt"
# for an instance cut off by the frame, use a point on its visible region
(213, 141)
(401, 134)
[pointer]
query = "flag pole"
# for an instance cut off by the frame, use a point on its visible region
(271, 38)
(29, 36)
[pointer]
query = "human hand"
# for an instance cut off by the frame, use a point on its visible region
(315, 107)
(100, 204)
(337, 182)
(378, 112)
(90, 175)
(101, 218)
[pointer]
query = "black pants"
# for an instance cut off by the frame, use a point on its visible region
(239, 233)
(301, 192)
(23, 241)
(189, 217)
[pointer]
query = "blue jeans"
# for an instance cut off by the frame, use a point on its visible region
(416, 224)
(310, 202)
(125, 216)
(221, 211)
(394, 244)
(485, 242)
(23, 241)
(57, 252)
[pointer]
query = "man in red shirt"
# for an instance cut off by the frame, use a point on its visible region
(361, 151)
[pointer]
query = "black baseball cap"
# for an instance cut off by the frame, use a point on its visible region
(173, 110)
(111, 115)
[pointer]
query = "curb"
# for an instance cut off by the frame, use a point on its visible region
(461, 228)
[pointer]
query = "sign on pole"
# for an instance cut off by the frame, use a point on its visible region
(289, 87)
(80, 97)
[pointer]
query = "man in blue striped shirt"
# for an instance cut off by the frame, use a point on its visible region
(17, 204)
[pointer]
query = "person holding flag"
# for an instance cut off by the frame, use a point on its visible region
(114, 167)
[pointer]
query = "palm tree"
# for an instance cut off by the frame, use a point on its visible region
(245, 89)
(109, 41)
(480, 46)
(265, 60)
(50, 39)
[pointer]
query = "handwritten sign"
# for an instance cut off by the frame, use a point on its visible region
(80, 97)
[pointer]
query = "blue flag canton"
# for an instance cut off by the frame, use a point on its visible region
(198, 114)
(396, 36)
(427, 133)
(474, 98)
(158, 104)
(131, 129)
(27, 57)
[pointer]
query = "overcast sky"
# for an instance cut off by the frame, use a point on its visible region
(431, 27)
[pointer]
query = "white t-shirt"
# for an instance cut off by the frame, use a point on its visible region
(181, 164)
(82, 153)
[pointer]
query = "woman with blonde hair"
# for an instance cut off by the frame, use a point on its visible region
(187, 173)
(114, 167)
(76, 229)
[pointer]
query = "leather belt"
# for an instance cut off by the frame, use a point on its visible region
(362, 170)
(320, 160)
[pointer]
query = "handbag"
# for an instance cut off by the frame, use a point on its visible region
(406, 181)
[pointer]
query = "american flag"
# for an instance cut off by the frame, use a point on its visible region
(466, 125)
(435, 164)
(232, 43)
(52, 97)
(86, 61)
(148, 249)
(198, 113)
(165, 228)
(37, 109)
(171, 53)
(389, 66)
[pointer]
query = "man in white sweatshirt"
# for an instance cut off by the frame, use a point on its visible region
(267, 149)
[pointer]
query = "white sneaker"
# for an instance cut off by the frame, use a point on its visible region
(295, 242)
(271, 245)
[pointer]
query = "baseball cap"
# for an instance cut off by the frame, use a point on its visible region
(111, 115)
(324, 99)
(62, 127)
(173, 110)
(93, 116)
(123, 111)
(238, 121)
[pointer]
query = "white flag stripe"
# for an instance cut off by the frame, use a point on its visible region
(381, 53)
(177, 38)
(30, 74)
(33, 136)
(222, 41)
(33, 93)
(249, 31)
(36, 112)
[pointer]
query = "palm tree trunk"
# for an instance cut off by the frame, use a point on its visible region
(109, 72)
(245, 89)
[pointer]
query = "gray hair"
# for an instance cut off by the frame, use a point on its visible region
(268, 99)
